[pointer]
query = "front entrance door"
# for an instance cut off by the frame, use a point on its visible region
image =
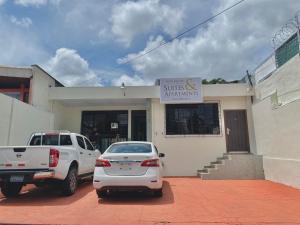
(105, 127)
(138, 125)
(236, 130)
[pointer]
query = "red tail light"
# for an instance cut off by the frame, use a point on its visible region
(102, 163)
(150, 163)
(53, 157)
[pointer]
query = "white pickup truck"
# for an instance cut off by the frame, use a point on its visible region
(58, 158)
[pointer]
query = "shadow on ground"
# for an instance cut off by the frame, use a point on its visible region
(139, 198)
(46, 196)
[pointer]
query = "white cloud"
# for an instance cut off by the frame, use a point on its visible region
(130, 81)
(135, 17)
(23, 22)
(71, 69)
(227, 47)
(35, 3)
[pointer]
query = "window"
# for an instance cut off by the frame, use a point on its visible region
(50, 139)
(80, 142)
(89, 146)
(65, 140)
(36, 140)
(184, 119)
(130, 148)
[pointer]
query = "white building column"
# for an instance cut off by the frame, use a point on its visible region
(129, 125)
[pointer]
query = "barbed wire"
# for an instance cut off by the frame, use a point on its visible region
(290, 28)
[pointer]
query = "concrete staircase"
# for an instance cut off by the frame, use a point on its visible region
(237, 166)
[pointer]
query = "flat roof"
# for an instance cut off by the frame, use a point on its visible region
(138, 93)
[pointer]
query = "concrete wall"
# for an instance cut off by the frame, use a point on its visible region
(19, 120)
(277, 126)
(40, 89)
(187, 154)
(15, 71)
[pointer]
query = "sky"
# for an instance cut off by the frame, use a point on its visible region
(88, 42)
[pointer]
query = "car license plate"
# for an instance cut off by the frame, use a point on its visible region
(125, 166)
(16, 178)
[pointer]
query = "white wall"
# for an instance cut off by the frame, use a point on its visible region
(187, 154)
(19, 120)
(277, 127)
(40, 89)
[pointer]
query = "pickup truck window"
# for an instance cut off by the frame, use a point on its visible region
(80, 142)
(89, 146)
(50, 139)
(65, 140)
(35, 140)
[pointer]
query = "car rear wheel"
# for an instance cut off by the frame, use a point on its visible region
(11, 189)
(158, 193)
(101, 194)
(69, 184)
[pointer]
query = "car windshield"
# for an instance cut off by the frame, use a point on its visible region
(130, 148)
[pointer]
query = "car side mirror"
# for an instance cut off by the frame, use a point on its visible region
(161, 155)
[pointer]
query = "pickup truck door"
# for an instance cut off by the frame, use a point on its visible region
(83, 156)
(91, 154)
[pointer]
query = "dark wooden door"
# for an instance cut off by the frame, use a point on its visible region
(138, 125)
(236, 130)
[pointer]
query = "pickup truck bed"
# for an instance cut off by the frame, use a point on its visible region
(60, 158)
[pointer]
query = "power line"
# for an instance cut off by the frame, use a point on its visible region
(183, 33)
(163, 43)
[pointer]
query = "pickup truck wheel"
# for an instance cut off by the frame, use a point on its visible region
(101, 194)
(11, 189)
(69, 184)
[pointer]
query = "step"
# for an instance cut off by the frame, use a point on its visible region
(223, 158)
(218, 162)
(210, 167)
(237, 153)
(202, 171)
(202, 174)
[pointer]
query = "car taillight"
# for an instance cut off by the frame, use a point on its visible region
(53, 157)
(102, 163)
(150, 163)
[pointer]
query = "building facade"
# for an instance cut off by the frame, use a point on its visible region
(233, 118)
(190, 134)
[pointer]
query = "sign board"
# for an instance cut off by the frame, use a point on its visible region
(114, 125)
(181, 90)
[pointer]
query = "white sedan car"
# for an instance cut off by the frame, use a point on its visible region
(129, 166)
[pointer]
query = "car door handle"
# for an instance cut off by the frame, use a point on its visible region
(90, 154)
(81, 153)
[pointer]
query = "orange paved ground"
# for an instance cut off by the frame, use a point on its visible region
(186, 201)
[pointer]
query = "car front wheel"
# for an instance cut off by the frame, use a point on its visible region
(11, 189)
